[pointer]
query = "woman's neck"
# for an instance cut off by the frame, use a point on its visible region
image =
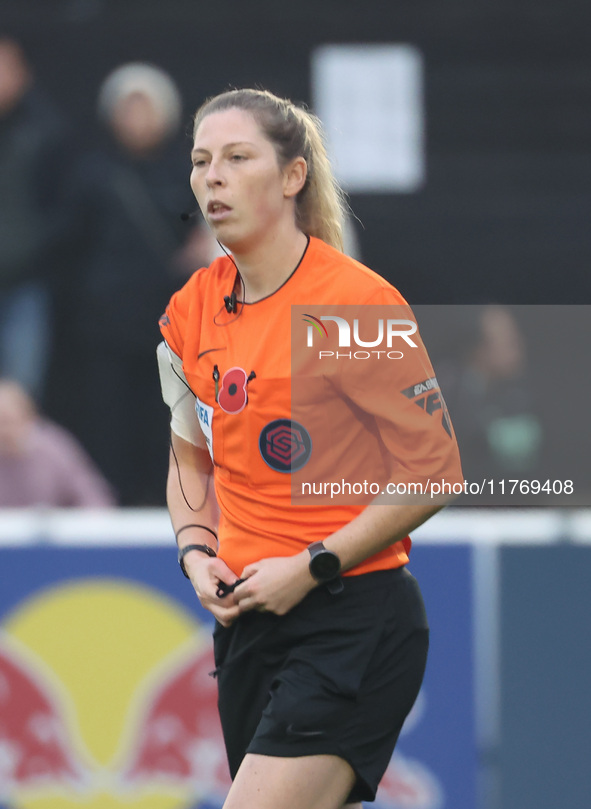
(268, 266)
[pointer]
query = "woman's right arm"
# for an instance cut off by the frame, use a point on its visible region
(190, 493)
(192, 505)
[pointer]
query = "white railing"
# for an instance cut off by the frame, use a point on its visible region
(145, 526)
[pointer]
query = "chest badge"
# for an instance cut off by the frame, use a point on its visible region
(232, 396)
(285, 445)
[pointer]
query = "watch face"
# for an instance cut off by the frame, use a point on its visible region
(325, 565)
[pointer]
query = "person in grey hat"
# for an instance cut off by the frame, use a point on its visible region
(128, 198)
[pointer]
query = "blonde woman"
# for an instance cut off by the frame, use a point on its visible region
(321, 636)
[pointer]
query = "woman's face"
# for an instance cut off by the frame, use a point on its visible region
(244, 194)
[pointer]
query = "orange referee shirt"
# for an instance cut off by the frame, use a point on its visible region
(239, 366)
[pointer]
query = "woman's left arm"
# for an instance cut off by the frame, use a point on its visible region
(421, 447)
(375, 529)
(279, 583)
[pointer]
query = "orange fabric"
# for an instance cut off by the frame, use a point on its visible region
(258, 518)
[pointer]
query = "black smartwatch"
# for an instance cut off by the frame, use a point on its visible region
(325, 567)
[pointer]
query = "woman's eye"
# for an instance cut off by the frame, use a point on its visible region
(198, 163)
(238, 157)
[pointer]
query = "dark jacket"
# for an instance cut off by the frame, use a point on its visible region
(33, 168)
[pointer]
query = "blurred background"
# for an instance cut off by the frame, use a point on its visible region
(462, 132)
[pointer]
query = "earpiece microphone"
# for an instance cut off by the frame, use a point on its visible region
(186, 216)
(230, 303)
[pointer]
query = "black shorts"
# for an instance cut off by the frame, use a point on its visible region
(337, 675)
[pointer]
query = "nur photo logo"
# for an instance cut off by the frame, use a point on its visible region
(382, 331)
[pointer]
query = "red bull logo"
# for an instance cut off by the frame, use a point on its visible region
(35, 747)
(178, 738)
(106, 702)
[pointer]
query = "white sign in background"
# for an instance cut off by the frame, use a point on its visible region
(370, 99)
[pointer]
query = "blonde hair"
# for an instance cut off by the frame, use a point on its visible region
(321, 204)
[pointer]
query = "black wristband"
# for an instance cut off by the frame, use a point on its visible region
(184, 551)
(193, 525)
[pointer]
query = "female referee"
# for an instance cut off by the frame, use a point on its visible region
(321, 635)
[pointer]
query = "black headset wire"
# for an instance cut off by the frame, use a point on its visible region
(176, 461)
(174, 455)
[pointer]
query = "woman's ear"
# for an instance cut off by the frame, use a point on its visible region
(295, 177)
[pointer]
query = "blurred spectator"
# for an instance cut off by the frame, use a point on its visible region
(41, 464)
(489, 395)
(33, 156)
(127, 198)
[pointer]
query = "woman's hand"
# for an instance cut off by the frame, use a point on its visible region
(275, 585)
(206, 574)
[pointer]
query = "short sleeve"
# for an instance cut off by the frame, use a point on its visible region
(401, 394)
(173, 323)
(403, 398)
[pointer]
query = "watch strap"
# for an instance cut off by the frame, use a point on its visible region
(335, 586)
(316, 547)
(184, 551)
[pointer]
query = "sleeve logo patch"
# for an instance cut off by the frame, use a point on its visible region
(428, 397)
